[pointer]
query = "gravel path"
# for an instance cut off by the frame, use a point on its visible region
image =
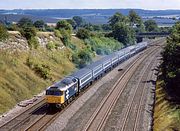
(76, 116)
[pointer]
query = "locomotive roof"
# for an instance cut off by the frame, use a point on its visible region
(64, 84)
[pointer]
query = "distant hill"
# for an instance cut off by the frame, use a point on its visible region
(67, 13)
(17, 17)
(95, 16)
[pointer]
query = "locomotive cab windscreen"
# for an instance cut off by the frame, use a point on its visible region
(54, 91)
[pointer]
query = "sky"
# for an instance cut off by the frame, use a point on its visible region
(89, 4)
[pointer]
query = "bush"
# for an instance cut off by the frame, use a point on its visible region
(82, 58)
(13, 27)
(57, 33)
(28, 32)
(3, 33)
(65, 37)
(99, 51)
(64, 25)
(83, 33)
(40, 69)
(25, 22)
(51, 45)
(33, 43)
(43, 71)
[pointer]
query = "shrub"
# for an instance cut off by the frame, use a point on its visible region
(33, 43)
(28, 32)
(13, 27)
(57, 33)
(65, 37)
(99, 51)
(63, 24)
(25, 22)
(51, 45)
(83, 33)
(81, 58)
(40, 69)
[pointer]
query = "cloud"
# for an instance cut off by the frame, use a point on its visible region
(61, 4)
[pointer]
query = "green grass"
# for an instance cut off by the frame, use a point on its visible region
(166, 115)
(19, 82)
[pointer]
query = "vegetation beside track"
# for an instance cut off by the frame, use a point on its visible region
(167, 106)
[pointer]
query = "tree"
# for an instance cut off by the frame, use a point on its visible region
(79, 21)
(117, 17)
(88, 26)
(134, 18)
(123, 33)
(151, 26)
(13, 27)
(39, 24)
(136, 22)
(3, 33)
(82, 58)
(25, 22)
(171, 62)
(97, 28)
(63, 24)
(83, 33)
(28, 32)
(65, 30)
(106, 27)
(72, 22)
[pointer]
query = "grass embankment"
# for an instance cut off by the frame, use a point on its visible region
(166, 114)
(18, 81)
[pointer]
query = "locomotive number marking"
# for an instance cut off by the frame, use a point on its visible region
(67, 94)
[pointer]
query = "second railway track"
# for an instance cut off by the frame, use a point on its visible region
(100, 116)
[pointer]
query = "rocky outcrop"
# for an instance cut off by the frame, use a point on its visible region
(45, 37)
(16, 42)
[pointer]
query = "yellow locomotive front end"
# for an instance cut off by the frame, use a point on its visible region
(54, 96)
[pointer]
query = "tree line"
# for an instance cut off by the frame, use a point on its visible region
(122, 28)
(171, 64)
(99, 39)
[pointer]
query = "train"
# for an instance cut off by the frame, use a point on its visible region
(60, 93)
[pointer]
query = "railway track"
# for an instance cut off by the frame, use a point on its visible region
(24, 116)
(35, 117)
(140, 105)
(98, 119)
(131, 117)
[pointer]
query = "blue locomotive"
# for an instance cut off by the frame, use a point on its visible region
(70, 86)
